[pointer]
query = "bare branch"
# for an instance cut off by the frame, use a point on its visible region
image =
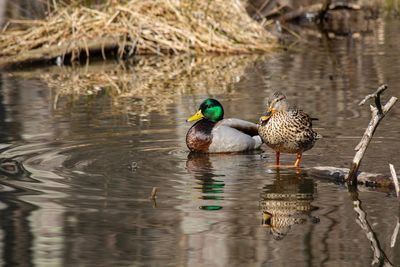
(378, 91)
(377, 114)
(389, 104)
(376, 96)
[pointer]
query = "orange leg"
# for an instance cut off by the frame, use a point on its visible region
(277, 154)
(277, 163)
(298, 159)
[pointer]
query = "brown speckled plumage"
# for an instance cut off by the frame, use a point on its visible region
(287, 130)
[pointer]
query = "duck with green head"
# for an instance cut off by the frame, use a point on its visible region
(214, 134)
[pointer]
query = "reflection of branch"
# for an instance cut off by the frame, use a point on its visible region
(395, 233)
(379, 255)
(377, 115)
(395, 180)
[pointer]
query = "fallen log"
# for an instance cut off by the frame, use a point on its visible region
(338, 175)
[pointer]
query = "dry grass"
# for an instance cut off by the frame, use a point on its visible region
(151, 26)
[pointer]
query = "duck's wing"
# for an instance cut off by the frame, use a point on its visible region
(228, 139)
(300, 117)
(243, 126)
(303, 121)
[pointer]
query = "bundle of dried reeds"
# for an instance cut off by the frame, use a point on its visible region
(142, 26)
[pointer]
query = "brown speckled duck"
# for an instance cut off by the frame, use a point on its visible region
(214, 134)
(286, 129)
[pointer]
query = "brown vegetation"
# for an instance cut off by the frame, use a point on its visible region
(156, 27)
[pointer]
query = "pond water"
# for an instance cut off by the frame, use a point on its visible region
(76, 171)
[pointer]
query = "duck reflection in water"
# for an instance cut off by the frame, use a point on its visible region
(207, 182)
(287, 202)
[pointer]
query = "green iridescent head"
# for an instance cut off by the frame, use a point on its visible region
(210, 109)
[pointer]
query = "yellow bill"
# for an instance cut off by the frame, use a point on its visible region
(196, 116)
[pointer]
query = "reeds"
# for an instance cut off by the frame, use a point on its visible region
(140, 26)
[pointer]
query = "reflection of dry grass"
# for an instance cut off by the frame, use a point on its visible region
(152, 26)
(153, 82)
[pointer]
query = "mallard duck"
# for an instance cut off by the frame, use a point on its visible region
(286, 129)
(214, 134)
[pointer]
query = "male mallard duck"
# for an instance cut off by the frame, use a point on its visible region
(285, 129)
(214, 134)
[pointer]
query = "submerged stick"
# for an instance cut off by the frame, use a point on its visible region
(153, 195)
(395, 180)
(378, 113)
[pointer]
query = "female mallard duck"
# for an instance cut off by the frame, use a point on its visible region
(285, 129)
(214, 134)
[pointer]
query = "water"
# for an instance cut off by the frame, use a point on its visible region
(76, 172)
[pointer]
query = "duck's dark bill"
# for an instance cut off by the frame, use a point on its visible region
(266, 116)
